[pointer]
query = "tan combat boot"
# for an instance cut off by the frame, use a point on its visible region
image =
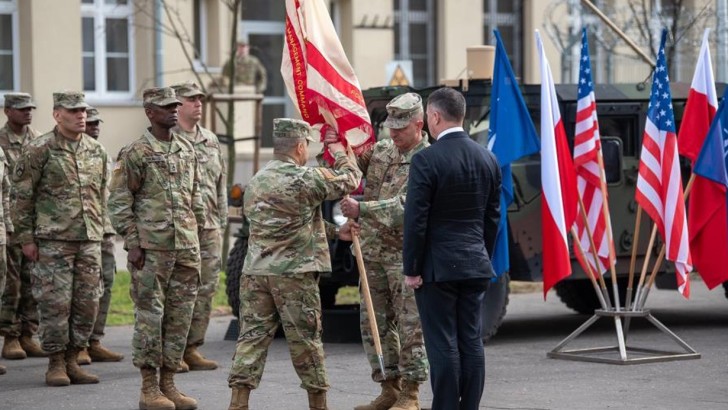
(3, 371)
(31, 347)
(182, 368)
(99, 353)
(167, 387)
(83, 357)
(75, 372)
(151, 397)
(317, 401)
(390, 393)
(239, 400)
(409, 399)
(56, 374)
(196, 361)
(12, 349)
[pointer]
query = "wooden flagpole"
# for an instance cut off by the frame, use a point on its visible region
(590, 273)
(608, 221)
(605, 297)
(661, 256)
(633, 261)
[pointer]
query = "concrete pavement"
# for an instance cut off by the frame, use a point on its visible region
(519, 375)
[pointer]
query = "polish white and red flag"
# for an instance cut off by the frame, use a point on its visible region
(706, 205)
(587, 147)
(319, 78)
(558, 182)
(659, 183)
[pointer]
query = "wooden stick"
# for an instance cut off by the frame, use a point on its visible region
(661, 256)
(608, 220)
(590, 273)
(633, 261)
(368, 302)
(643, 272)
(593, 247)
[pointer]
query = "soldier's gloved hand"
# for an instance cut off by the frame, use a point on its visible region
(136, 257)
(350, 207)
(30, 250)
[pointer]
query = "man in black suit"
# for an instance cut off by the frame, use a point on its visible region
(450, 224)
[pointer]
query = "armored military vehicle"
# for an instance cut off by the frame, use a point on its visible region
(621, 110)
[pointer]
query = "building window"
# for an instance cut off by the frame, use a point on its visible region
(108, 67)
(9, 71)
(414, 38)
(200, 31)
(505, 15)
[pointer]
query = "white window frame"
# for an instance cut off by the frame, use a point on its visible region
(495, 20)
(201, 62)
(404, 16)
(11, 8)
(100, 11)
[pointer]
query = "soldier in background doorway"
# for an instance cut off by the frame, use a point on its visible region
(18, 309)
(96, 351)
(6, 223)
(213, 190)
(248, 69)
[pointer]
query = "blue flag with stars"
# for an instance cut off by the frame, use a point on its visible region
(511, 136)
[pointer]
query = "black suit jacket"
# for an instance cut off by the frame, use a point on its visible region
(452, 211)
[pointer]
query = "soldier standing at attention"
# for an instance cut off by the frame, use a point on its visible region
(213, 182)
(248, 69)
(155, 205)
(60, 184)
(96, 351)
(287, 251)
(18, 309)
(381, 215)
(6, 225)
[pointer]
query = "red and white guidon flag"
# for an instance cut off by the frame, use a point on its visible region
(558, 182)
(318, 75)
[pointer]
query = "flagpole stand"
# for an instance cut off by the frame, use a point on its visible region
(624, 354)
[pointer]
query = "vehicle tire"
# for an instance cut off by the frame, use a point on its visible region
(494, 307)
(725, 287)
(579, 295)
(234, 271)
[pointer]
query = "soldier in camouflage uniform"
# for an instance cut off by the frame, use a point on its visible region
(18, 309)
(287, 251)
(60, 183)
(6, 225)
(213, 181)
(96, 351)
(381, 216)
(248, 69)
(155, 204)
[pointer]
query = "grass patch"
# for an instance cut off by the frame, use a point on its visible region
(121, 311)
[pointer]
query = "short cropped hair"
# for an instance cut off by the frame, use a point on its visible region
(449, 103)
(284, 145)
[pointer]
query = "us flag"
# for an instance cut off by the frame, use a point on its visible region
(587, 149)
(659, 184)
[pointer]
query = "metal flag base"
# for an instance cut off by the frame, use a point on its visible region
(643, 355)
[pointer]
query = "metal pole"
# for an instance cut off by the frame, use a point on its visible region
(619, 32)
(158, 45)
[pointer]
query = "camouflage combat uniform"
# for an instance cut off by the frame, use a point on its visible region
(213, 182)
(250, 71)
(6, 227)
(381, 215)
(287, 251)
(18, 308)
(155, 204)
(60, 203)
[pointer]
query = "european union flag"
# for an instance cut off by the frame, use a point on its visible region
(711, 162)
(511, 136)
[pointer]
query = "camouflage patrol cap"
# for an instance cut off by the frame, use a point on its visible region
(69, 100)
(18, 101)
(291, 128)
(92, 115)
(160, 96)
(401, 110)
(187, 89)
